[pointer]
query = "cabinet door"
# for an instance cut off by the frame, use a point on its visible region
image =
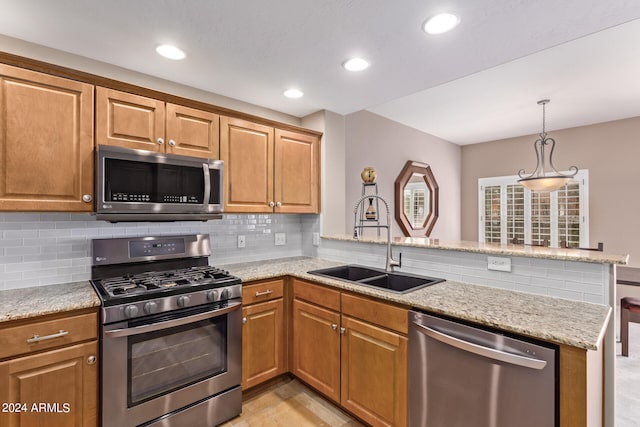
(262, 342)
(374, 373)
(296, 172)
(247, 150)
(130, 121)
(192, 132)
(46, 142)
(316, 348)
(62, 384)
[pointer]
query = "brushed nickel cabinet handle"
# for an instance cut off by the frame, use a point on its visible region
(87, 198)
(91, 360)
(244, 320)
(160, 141)
(334, 326)
(271, 204)
(267, 292)
(279, 204)
(343, 330)
(38, 338)
(172, 143)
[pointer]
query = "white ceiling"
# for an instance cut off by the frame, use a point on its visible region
(479, 82)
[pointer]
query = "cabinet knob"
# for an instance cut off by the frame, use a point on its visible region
(87, 198)
(160, 141)
(172, 143)
(91, 360)
(343, 330)
(244, 320)
(278, 204)
(271, 204)
(334, 326)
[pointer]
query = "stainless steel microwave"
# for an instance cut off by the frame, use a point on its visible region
(139, 185)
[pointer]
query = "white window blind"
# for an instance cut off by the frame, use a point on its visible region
(511, 213)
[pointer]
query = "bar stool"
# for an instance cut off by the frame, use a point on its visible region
(630, 312)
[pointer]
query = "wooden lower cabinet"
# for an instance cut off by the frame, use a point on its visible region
(262, 342)
(263, 332)
(57, 388)
(353, 350)
(374, 373)
(316, 347)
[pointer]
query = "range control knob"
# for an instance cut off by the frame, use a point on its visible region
(212, 295)
(150, 307)
(130, 311)
(183, 301)
(224, 294)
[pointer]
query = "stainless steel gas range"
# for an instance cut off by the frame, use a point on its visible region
(171, 333)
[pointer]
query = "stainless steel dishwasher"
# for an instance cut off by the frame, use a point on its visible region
(466, 376)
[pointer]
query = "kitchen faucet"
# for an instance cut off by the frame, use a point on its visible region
(390, 263)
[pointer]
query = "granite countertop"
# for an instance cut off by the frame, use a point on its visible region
(575, 323)
(24, 303)
(563, 254)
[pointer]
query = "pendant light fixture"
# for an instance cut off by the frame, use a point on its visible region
(540, 180)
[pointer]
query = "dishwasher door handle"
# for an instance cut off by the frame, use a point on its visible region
(490, 353)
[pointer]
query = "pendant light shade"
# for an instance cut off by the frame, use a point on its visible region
(540, 180)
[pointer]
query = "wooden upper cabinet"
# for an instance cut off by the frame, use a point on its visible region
(296, 172)
(247, 151)
(192, 132)
(269, 170)
(134, 121)
(46, 142)
(130, 121)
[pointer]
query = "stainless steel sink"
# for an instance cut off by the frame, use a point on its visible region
(377, 278)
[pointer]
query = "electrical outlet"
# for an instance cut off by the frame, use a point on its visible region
(241, 242)
(499, 263)
(316, 239)
(281, 239)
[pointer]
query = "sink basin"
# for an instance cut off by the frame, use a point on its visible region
(377, 278)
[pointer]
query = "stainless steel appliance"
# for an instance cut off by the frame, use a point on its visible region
(171, 333)
(139, 185)
(466, 376)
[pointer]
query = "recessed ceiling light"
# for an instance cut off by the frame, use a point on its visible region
(440, 23)
(355, 64)
(171, 52)
(293, 93)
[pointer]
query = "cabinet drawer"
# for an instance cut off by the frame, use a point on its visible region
(377, 312)
(44, 334)
(263, 291)
(316, 294)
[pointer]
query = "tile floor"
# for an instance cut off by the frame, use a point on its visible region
(628, 381)
(290, 403)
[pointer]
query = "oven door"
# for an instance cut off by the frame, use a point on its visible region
(160, 364)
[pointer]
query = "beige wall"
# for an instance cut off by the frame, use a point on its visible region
(611, 153)
(373, 140)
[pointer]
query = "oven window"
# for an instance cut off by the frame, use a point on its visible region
(166, 360)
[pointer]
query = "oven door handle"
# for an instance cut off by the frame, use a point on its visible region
(126, 332)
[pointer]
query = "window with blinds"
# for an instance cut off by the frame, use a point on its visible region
(509, 213)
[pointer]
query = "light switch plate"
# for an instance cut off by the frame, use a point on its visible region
(281, 239)
(241, 241)
(499, 263)
(316, 239)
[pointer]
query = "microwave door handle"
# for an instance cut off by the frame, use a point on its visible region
(137, 330)
(207, 186)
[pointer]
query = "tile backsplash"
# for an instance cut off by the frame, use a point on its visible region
(50, 248)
